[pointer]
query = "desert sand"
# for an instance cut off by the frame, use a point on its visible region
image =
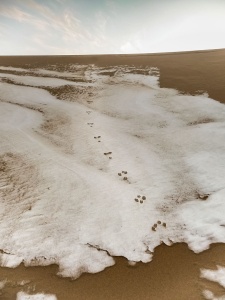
(174, 272)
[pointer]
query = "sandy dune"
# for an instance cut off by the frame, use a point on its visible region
(100, 161)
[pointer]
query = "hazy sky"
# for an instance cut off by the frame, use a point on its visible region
(110, 26)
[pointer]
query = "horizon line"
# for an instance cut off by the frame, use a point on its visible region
(121, 54)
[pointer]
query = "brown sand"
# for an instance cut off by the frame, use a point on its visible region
(172, 275)
(185, 71)
(174, 272)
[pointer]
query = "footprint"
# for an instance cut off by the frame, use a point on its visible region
(123, 173)
(158, 223)
(203, 196)
(142, 199)
(154, 227)
(138, 197)
(97, 138)
(107, 153)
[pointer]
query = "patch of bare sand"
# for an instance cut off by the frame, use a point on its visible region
(186, 71)
(174, 272)
(70, 93)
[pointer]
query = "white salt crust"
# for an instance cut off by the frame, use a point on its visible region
(61, 198)
(25, 296)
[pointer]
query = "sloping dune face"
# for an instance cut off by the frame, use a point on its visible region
(101, 162)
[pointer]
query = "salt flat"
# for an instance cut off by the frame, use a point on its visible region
(113, 165)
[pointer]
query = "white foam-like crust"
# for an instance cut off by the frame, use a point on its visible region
(76, 70)
(40, 81)
(65, 202)
(74, 74)
(13, 69)
(25, 296)
(208, 295)
(215, 275)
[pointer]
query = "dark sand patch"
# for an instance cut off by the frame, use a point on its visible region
(71, 93)
(28, 106)
(109, 73)
(55, 129)
(140, 72)
(201, 121)
(18, 180)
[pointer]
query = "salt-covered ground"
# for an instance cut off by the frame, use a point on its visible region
(107, 165)
(25, 296)
(216, 276)
(208, 295)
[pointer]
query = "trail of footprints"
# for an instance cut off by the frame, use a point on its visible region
(123, 174)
